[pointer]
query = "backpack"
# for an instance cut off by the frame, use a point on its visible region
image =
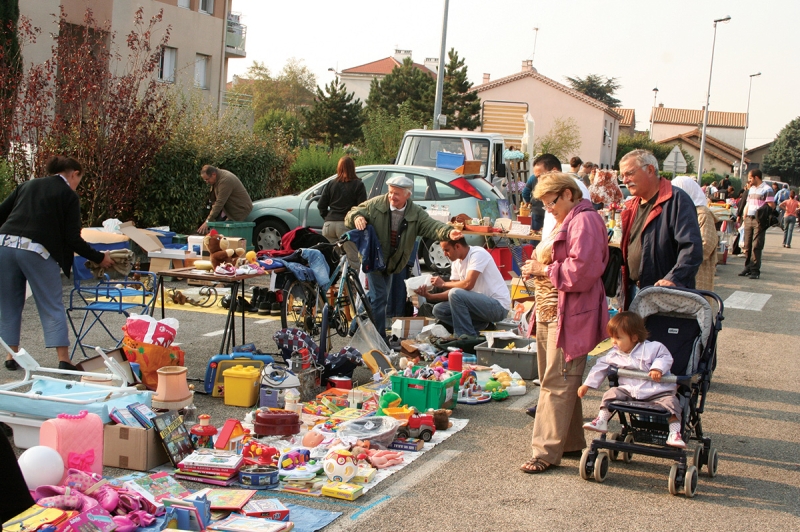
(612, 272)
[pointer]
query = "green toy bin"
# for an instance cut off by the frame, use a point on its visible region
(235, 230)
(423, 394)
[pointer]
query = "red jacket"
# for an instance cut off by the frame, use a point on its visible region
(580, 255)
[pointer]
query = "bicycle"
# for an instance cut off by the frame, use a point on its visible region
(303, 301)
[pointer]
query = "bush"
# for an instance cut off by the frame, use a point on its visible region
(173, 193)
(313, 164)
(384, 132)
(7, 182)
(283, 120)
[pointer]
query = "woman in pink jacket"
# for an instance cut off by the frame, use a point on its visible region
(571, 316)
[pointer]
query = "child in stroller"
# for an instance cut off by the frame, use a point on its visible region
(633, 351)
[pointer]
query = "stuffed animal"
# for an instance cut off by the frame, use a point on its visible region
(219, 249)
(441, 418)
(387, 400)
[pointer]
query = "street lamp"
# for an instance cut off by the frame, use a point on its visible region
(535, 36)
(653, 113)
(746, 123)
(708, 99)
(437, 105)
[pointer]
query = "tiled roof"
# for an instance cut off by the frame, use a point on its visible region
(383, 67)
(552, 83)
(767, 145)
(628, 116)
(728, 152)
(692, 117)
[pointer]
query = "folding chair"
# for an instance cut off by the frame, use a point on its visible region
(123, 297)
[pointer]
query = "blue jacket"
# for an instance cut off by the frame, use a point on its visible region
(672, 248)
(369, 247)
(537, 207)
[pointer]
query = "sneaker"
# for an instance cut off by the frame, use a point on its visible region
(537, 382)
(11, 365)
(675, 440)
(226, 270)
(597, 425)
(532, 411)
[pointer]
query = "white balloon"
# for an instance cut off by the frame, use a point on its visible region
(41, 466)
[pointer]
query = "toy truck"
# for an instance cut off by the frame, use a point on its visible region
(418, 426)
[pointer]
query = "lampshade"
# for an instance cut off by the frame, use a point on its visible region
(172, 392)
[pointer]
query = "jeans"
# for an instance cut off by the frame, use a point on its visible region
(468, 312)
(789, 221)
(380, 286)
(754, 237)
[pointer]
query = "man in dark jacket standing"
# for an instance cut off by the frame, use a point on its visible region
(661, 242)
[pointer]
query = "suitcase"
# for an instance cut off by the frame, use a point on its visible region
(78, 439)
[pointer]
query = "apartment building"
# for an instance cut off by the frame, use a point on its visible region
(204, 36)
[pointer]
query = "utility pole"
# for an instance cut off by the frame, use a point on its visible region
(437, 107)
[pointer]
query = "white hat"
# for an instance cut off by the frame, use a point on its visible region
(401, 181)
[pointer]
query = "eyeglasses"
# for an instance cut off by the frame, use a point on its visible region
(549, 206)
(629, 174)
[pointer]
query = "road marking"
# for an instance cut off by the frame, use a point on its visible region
(523, 401)
(259, 322)
(747, 300)
(215, 333)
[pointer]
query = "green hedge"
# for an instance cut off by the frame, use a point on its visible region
(7, 183)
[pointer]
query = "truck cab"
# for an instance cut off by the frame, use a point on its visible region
(420, 147)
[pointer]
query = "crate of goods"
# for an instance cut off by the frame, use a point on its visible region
(235, 230)
(163, 235)
(450, 161)
(101, 241)
(520, 358)
(241, 385)
(424, 394)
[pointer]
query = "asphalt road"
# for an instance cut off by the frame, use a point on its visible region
(472, 480)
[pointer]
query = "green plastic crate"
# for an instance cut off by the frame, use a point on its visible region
(235, 230)
(423, 394)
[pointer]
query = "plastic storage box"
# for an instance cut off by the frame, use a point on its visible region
(449, 161)
(518, 359)
(241, 385)
(235, 230)
(79, 263)
(422, 394)
(164, 236)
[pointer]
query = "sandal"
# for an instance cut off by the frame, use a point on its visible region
(534, 465)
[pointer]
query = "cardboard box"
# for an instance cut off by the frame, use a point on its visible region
(410, 327)
(161, 259)
(342, 490)
(132, 448)
(520, 290)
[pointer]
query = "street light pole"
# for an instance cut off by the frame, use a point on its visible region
(535, 36)
(437, 106)
(708, 99)
(746, 124)
(652, 113)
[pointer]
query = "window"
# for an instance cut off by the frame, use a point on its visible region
(185, 3)
(166, 65)
(207, 6)
(445, 192)
(201, 63)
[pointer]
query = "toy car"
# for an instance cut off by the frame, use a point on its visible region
(419, 426)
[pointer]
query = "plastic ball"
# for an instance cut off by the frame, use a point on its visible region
(41, 466)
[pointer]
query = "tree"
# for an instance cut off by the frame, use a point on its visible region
(335, 118)
(10, 67)
(461, 107)
(783, 158)
(406, 83)
(563, 140)
(291, 90)
(598, 87)
(282, 120)
(383, 133)
(641, 141)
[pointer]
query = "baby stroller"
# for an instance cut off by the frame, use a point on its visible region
(684, 322)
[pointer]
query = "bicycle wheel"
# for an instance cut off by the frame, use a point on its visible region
(300, 306)
(354, 285)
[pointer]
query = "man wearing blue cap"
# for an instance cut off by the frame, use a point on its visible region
(397, 221)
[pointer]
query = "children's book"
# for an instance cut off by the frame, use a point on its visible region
(239, 523)
(93, 520)
(143, 414)
(209, 461)
(174, 436)
(267, 508)
(488, 208)
(122, 416)
(158, 486)
(222, 499)
(204, 479)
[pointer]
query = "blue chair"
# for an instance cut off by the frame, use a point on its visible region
(93, 301)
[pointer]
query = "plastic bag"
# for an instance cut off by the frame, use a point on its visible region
(367, 338)
(417, 282)
(112, 226)
(148, 330)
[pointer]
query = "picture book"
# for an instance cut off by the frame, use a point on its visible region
(267, 508)
(119, 481)
(181, 517)
(143, 414)
(157, 486)
(488, 208)
(504, 208)
(174, 436)
(122, 416)
(209, 461)
(203, 479)
(93, 520)
(239, 523)
(222, 499)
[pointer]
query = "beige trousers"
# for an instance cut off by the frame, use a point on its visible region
(332, 231)
(558, 427)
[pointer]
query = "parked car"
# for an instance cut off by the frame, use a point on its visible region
(432, 187)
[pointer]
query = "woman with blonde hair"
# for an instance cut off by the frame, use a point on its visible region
(704, 279)
(571, 315)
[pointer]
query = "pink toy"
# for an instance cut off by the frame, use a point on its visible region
(381, 459)
(77, 438)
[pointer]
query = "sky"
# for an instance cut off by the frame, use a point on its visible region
(643, 44)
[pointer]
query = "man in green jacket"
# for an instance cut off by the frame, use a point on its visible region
(228, 196)
(397, 221)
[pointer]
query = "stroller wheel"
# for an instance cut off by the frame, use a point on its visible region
(601, 467)
(690, 482)
(713, 462)
(584, 468)
(626, 457)
(614, 454)
(697, 458)
(673, 480)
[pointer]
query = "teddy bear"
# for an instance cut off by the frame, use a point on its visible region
(441, 418)
(219, 249)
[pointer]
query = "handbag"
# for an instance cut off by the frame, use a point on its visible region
(613, 270)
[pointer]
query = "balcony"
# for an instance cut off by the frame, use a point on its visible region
(235, 38)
